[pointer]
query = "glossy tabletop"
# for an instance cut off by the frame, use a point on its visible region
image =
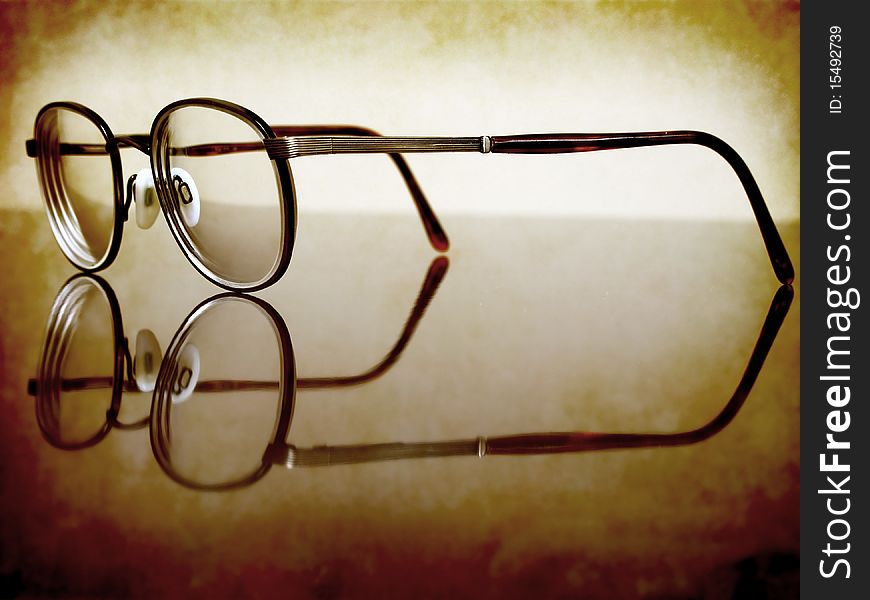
(527, 326)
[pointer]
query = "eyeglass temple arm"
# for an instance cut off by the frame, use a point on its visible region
(77, 384)
(434, 231)
(552, 443)
(574, 442)
(590, 142)
(434, 276)
(554, 143)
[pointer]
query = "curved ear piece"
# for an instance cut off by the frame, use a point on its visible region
(188, 195)
(145, 197)
(186, 374)
(146, 361)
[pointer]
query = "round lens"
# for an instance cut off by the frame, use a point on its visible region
(226, 206)
(76, 176)
(77, 367)
(219, 394)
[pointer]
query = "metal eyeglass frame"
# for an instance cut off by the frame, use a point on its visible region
(286, 142)
(281, 453)
(47, 386)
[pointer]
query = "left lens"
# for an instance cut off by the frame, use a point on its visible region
(219, 393)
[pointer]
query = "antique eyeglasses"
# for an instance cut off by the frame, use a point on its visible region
(221, 414)
(222, 177)
(198, 468)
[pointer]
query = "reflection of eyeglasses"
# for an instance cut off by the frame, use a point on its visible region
(214, 441)
(214, 170)
(138, 372)
(168, 419)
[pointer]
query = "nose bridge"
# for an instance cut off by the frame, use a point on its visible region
(139, 141)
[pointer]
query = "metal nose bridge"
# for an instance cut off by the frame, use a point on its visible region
(140, 141)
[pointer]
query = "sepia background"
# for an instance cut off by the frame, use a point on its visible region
(613, 291)
(442, 68)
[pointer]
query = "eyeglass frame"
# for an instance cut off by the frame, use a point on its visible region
(301, 141)
(279, 452)
(46, 386)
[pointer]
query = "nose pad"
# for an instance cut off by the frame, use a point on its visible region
(188, 195)
(145, 197)
(146, 361)
(186, 374)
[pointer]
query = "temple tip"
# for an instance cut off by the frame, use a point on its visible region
(784, 272)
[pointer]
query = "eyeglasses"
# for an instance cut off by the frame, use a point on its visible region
(221, 176)
(218, 424)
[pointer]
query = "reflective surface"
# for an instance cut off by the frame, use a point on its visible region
(536, 326)
(608, 292)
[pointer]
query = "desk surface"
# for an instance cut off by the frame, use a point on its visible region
(537, 325)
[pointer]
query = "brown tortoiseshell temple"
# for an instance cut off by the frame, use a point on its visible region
(590, 142)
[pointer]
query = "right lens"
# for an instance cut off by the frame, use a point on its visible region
(76, 176)
(77, 369)
(224, 203)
